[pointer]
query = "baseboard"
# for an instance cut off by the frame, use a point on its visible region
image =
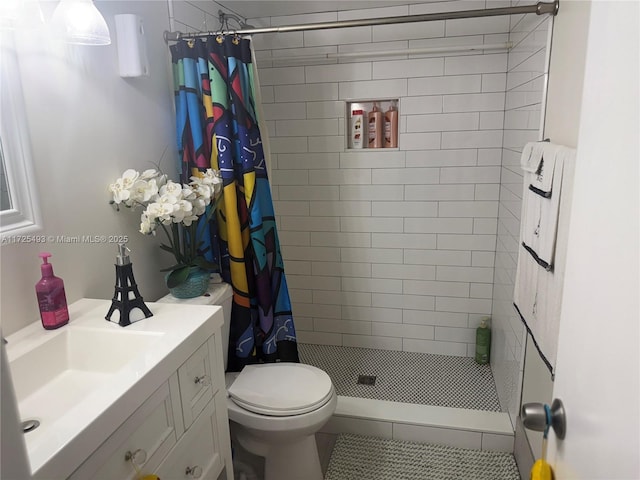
(457, 427)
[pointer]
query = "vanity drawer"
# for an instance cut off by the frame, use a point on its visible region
(197, 454)
(197, 382)
(150, 431)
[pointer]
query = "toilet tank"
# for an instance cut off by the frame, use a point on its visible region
(218, 293)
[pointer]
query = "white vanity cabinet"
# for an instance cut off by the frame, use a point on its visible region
(180, 432)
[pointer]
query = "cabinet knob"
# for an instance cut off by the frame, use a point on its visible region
(137, 457)
(204, 380)
(194, 472)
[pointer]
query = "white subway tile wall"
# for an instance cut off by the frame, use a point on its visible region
(396, 249)
(526, 75)
(390, 249)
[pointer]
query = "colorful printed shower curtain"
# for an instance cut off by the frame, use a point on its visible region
(217, 127)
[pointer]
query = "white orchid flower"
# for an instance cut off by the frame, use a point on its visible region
(162, 209)
(189, 220)
(199, 206)
(210, 178)
(128, 178)
(162, 179)
(151, 190)
(143, 191)
(169, 198)
(177, 216)
(185, 206)
(146, 226)
(152, 211)
(120, 193)
(166, 202)
(184, 210)
(149, 174)
(216, 184)
(188, 193)
(171, 188)
(202, 190)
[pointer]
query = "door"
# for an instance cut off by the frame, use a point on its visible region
(597, 368)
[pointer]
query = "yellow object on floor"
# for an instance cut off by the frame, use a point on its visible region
(139, 474)
(541, 471)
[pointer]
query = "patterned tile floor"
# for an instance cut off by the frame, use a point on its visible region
(408, 377)
(356, 458)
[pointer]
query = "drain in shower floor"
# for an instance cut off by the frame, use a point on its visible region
(366, 380)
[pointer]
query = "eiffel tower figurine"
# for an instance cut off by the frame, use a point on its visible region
(126, 284)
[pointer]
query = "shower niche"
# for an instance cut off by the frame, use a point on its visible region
(372, 124)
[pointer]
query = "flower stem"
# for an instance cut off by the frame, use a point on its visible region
(184, 243)
(176, 242)
(167, 233)
(172, 242)
(192, 236)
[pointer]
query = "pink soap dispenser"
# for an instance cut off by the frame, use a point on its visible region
(52, 300)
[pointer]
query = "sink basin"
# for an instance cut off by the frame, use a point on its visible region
(68, 366)
(84, 379)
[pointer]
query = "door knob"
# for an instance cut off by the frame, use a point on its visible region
(539, 417)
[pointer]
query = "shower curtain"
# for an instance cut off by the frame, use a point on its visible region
(217, 127)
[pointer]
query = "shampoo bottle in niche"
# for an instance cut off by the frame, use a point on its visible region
(483, 342)
(52, 300)
(357, 129)
(376, 129)
(391, 126)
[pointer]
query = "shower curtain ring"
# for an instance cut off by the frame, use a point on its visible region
(221, 19)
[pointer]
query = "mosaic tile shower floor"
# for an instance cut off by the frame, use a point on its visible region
(408, 377)
(357, 457)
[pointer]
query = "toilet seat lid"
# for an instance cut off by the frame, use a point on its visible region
(281, 389)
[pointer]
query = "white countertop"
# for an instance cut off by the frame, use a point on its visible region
(68, 437)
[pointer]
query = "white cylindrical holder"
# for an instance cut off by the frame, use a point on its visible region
(132, 49)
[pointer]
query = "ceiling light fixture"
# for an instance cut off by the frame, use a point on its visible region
(79, 22)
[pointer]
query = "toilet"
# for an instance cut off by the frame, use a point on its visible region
(275, 409)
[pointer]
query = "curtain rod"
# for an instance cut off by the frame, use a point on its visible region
(279, 61)
(541, 8)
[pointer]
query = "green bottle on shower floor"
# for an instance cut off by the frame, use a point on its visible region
(483, 342)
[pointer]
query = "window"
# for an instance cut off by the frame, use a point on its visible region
(5, 199)
(18, 208)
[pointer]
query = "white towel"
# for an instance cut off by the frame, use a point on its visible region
(538, 291)
(538, 295)
(541, 198)
(525, 294)
(532, 156)
(544, 172)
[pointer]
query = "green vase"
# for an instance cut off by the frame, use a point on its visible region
(195, 285)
